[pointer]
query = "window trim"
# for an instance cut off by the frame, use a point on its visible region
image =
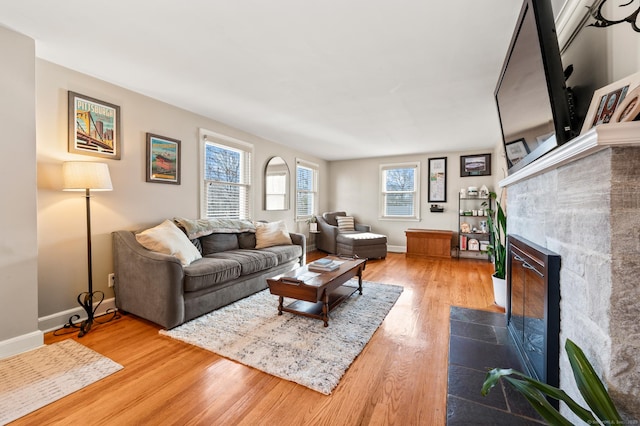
(416, 191)
(316, 195)
(230, 142)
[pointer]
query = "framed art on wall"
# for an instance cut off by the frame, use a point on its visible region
(475, 165)
(163, 159)
(438, 179)
(94, 127)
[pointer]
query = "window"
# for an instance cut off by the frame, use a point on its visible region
(226, 175)
(306, 189)
(400, 195)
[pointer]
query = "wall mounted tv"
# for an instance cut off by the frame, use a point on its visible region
(531, 94)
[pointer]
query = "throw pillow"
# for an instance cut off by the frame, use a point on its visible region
(346, 223)
(271, 234)
(168, 239)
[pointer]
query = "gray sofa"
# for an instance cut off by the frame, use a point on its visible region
(159, 288)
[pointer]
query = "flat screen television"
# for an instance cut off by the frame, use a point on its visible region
(531, 94)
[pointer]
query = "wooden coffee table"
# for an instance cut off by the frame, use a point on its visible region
(316, 293)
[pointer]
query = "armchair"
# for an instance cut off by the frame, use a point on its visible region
(359, 241)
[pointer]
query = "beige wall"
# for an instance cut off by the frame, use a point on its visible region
(133, 203)
(18, 244)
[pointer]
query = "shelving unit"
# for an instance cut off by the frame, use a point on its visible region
(473, 229)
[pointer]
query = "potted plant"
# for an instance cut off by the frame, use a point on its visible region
(587, 381)
(313, 224)
(497, 224)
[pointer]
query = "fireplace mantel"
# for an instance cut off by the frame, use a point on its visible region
(594, 140)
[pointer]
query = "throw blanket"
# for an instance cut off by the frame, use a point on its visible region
(196, 228)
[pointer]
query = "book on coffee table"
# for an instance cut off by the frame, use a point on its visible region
(324, 266)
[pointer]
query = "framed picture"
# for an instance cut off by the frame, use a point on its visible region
(475, 165)
(163, 159)
(607, 100)
(94, 127)
(438, 179)
(516, 151)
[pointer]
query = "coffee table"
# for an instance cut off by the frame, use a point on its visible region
(317, 293)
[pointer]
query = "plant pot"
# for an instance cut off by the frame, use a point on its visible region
(313, 227)
(499, 291)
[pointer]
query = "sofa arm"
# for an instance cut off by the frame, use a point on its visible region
(147, 284)
(362, 228)
(301, 240)
(326, 238)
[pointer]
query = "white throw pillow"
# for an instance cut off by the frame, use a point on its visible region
(271, 234)
(346, 223)
(167, 238)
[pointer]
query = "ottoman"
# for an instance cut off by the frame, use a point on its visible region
(362, 244)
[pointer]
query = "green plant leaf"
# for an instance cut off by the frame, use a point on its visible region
(539, 402)
(590, 386)
(494, 376)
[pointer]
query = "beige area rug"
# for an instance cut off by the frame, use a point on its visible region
(289, 346)
(33, 379)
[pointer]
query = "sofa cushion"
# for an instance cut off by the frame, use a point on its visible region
(166, 238)
(285, 253)
(330, 217)
(247, 240)
(217, 242)
(250, 260)
(206, 272)
(271, 234)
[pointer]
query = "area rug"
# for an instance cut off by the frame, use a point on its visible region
(289, 346)
(33, 379)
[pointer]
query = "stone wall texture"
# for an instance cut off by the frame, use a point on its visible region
(589, 212)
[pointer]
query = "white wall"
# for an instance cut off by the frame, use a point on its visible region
(18, 244)
(133, 203)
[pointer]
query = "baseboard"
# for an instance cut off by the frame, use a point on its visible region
(19, 344)
(59, 319)
(396, 249)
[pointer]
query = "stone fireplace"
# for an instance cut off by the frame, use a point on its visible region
(582, 201)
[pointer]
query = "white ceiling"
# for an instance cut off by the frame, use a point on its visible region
(338, 79)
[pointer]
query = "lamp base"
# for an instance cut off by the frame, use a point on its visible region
(86, 301)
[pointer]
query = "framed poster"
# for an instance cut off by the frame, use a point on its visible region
(163, 159)
(438, 179)
(475, 165)
(94, 127)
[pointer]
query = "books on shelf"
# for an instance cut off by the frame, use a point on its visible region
(324, 265)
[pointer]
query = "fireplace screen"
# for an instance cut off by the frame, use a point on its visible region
(534, 310)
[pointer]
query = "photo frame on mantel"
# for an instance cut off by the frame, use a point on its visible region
(475, 165)
(614, 103)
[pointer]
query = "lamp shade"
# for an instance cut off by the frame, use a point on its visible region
(82, 175)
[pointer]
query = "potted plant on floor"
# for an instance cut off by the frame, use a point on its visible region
(587, 381)
(497, 224)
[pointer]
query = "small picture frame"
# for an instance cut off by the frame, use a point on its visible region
(516, 151)
(163, 159)
(607, 100)
(475, 165)
(438, 180)
(94, 127)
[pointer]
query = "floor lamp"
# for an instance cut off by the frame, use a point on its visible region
(87, 176)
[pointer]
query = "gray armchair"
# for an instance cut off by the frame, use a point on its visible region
(359, 242)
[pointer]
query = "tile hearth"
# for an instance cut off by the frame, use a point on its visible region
(480, 341)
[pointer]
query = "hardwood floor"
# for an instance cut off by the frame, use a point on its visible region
(400, 378)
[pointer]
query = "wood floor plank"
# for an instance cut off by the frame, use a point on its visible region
(400, 378)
